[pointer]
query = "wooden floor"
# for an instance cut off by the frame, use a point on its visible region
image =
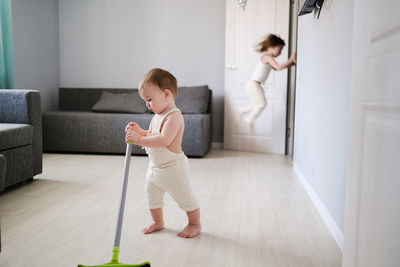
(254, 213)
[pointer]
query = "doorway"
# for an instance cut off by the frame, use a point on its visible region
(245, 27)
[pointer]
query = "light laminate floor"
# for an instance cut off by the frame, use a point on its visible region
(254, 213)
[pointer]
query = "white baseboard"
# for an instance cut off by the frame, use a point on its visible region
(217, 145)
(320, 206)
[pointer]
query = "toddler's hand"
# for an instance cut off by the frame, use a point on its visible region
(293, 57)
(132, 136)
(132, 126)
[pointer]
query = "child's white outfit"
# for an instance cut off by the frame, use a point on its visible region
(168, 172)
(256, 92)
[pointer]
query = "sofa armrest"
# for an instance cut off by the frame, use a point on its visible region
(24, 106)
(13, 106)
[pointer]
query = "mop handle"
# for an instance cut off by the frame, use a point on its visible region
(123, 195)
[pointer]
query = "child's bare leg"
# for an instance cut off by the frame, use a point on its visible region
(250, 125)
(243, 110)
(194, 227)
(158, 221)
(257, 109)
(238, 116)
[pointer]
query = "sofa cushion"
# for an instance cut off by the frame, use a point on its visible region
(84, 131)
(14, 135)
(120, 103)
(193, 99)
(83, 99)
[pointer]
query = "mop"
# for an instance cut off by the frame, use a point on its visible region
(114, 261)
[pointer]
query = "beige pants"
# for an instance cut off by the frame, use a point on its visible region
(174, 180)
(258, 101)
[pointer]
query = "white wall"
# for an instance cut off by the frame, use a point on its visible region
(35, 43)
(322, 102)
(113, 43)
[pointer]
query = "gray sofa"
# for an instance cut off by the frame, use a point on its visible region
(20, 136)
(92, 120)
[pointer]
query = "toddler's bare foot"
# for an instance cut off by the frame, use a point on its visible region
(153, 227)
(250, 125)
(238, 115)
(191, 230)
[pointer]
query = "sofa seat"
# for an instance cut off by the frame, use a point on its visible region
(85, 131)
(14, 135)
(93, 120)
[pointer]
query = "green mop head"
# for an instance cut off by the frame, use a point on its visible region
(114, 262)
(145, 264)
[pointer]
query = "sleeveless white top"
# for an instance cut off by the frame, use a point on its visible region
(161, 157)
(261, 72)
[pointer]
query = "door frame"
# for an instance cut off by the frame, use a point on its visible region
(292, 74)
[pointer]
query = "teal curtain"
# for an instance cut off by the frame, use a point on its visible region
(6, 49)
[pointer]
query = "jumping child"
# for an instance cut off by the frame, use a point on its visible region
(271, 46)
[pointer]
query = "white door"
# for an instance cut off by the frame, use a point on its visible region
(244, 29)
(372, 217)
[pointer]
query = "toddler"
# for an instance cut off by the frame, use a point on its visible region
(168, 167)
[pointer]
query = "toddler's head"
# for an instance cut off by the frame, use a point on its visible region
(272, 44)
(158, 88)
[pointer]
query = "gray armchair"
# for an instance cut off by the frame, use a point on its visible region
(20, 136)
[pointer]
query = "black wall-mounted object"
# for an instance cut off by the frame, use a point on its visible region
(306, 6)
(319, 4)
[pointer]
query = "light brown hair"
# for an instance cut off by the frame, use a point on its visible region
(162, 79)
(270, 40)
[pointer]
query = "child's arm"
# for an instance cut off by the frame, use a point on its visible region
(169, 131)
(266, 59)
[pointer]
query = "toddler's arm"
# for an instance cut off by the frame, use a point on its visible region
(169, 131)
(270, 60)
